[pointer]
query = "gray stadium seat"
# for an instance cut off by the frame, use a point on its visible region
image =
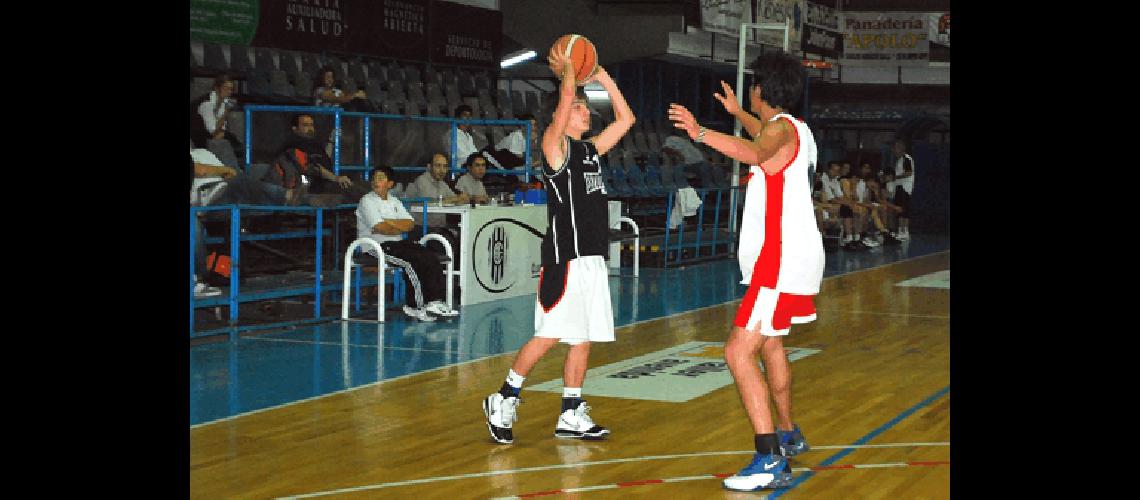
(279, 84)
(214, 57)
(304, 87)
(263, 60)
(239, 59)
(532, 104)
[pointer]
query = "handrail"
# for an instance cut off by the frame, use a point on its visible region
(348, 277)
(450, 271)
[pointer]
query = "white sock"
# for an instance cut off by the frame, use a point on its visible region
(572, 392)
(515, 380)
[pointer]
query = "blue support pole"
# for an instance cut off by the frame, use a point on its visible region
(317, 279)
(700, 224)
(336, 142)
(668, 212)
(716, 220)
(454, 149)
(235, 240)
(193, 249)
(367, 149)
(248, 137)
(526, 153)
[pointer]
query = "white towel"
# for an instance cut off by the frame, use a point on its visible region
(685, 204)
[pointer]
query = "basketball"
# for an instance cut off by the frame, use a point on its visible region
(582, 55)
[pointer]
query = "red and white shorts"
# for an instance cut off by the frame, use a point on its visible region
(573, 303)
(773, 312)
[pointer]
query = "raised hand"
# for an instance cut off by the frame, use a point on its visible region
(684, 120)
(558, 63)
(728, 100)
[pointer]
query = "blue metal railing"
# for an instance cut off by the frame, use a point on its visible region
(235, 296)
(367, 143)
(680, 245)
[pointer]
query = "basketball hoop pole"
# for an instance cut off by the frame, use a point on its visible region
(740, 67)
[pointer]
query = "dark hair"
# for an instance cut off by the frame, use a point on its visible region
(524, 116)
(838, 163)
(296, 121)
(461, 108)
(319, 79)
(221, 80)
(781, 79)
(550, 100)
(386, 170)
(471, 159)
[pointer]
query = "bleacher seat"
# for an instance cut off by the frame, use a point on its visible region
(279, 84)
(532, 104)
(310, 64)
(303, 89)
(214, 58)
(239, 60)
(257, 84)
(412, 74)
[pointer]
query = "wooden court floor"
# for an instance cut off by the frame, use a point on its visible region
(879, 382)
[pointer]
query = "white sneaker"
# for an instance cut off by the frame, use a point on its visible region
(438, 308)
(501, 415)
(204, 290)
(419, 314)
(577, 424)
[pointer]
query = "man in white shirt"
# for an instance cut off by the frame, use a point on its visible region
(384, 219)
(904, 187)
(464, 142)
(471, 183)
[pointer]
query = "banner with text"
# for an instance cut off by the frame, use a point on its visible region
(419, 30)
(820, 41)
(725, 16)
(467, 36)
(777, 11)
(821, 16)
(224, 21)
(885, 38)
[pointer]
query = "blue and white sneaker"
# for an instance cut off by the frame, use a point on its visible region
(765, 472)
(792, 442)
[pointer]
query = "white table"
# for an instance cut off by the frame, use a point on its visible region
(499, 249)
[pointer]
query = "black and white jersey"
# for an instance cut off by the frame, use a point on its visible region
(577, 212)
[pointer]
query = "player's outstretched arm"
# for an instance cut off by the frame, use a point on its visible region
(623, 115)
(772, 137)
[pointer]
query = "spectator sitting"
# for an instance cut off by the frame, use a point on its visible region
(464, 143)
(327, 92)
(856, 212)
(325, 188)
(432, 184)
(510, 152)
(239, 187)
(213, 110)
(210, 171)
(302, 159)
(471, 183)
(384, 219)
(868, 195)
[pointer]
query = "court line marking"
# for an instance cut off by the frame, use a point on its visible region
(863, 440)
(878, 313)
(635, 323)
(629, 484)
(370, 346)
(437, 479)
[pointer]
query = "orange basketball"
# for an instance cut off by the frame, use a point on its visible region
(582, 55)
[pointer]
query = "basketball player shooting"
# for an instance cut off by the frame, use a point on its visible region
(573, 303)
(781, 256)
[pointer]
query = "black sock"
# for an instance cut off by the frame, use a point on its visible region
(767, 444)
(570, 403)
(509, 392)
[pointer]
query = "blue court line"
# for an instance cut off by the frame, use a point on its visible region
(863, 440)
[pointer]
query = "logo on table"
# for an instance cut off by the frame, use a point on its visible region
(497, 246)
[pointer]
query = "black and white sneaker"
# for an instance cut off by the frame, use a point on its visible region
(577, 424)
(501, 416)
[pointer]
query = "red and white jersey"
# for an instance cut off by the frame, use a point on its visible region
(780, 244)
